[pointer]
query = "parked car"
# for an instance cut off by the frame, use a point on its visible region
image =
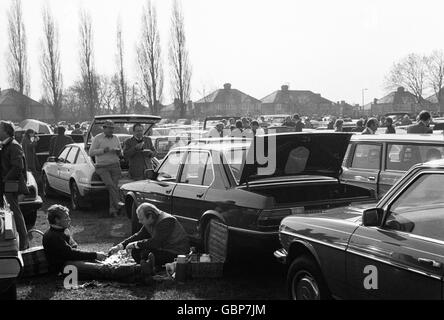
(378, 161)
(11, 262)
(216, 181)
(72, 173)
(400, 239)
(42, 148)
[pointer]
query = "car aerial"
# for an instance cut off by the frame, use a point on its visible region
(220, 181)
(11, 262)
(398, 242)
(72, 172)
(378, 161)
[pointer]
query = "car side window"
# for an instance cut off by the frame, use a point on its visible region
(209, 173)
(367, 156)
(80, 159)
(418, 209)
(194, 168)
(63, 155)
(402, 157)
(71, 158)
(168, 170)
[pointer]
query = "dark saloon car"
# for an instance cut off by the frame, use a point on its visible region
(393, 250)
(225, 182)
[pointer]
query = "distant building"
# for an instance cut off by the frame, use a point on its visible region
(303, 102)
(437, 107)
(343, 109)
(17, 107)
(227, 102)
(397, 101)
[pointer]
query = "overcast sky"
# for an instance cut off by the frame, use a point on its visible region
(335, 48)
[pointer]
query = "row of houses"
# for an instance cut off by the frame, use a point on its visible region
(228, 101)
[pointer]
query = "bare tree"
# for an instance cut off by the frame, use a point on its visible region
(72, 102)
(88, 73)
(180, 67)
(150, 59)
(122, 88)
(17, 58)
(106, 94)
(410, 73)
(435, 75)
(50, 64)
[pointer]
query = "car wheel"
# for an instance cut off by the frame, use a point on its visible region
(76, 198)
(305, 280)
(47, 190)
(10, 294)
(135, 225)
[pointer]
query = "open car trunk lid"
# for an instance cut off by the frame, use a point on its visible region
(295, 154)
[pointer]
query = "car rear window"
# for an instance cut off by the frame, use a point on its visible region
(402, 157)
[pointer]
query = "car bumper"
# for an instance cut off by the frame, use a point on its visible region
(31, 205)
(10, 269)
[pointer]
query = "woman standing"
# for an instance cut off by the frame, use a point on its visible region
(29, 144)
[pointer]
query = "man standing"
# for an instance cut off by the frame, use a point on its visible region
(257, 130)
(390, 128)
(139, 152)
(57, 143)
(14, 176)
(161, 234)
(359, 126)
(371, 126)
(298, 125)
(424, 120)
(217, 131)
(106, 149)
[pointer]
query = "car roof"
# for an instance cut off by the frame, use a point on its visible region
(126, 116)
(426, 138)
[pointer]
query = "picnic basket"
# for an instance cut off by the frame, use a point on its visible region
(217, 247)
(34, 260)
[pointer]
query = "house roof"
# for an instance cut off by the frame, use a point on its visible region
(12, 97)
(399, 96)
(285, 96)
(228, 95)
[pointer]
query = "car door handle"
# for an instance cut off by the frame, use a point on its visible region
(169, 191)
(430, 262)
(200, 195)
(371, 178)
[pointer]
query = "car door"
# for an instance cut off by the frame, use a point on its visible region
(189, 195)
(66, 170)
(159, 192)
(407, 253)
(57, 180)
(364, 165)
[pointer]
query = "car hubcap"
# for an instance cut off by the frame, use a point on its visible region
(304, 287)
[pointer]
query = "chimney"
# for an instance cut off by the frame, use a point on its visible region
(227, 86)
(375, 101)
(400, 89)
(285, 88)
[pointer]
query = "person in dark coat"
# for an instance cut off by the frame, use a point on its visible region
(57, 143)
(58, 243)
(29, 144)
(13, 172)
(298, 124)
(390, 128)
(359, 126)
(161, 235)
(424, 120)
(139, 152)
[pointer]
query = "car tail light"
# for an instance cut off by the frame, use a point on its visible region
(273, 217)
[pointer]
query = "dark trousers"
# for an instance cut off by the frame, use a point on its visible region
(160, 256)
(19, 220)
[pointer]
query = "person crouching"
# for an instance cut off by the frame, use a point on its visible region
(161, 235)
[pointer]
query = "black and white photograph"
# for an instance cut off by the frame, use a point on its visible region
(245, 152)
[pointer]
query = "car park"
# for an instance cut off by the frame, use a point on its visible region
(398, 242)
(72, 173)
(11, 262)
(214, 181)
(378, 161)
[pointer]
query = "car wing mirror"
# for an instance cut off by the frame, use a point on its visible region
(372, 217)
(51, 159)
(150, 174)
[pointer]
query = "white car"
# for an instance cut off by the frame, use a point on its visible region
(72, 173)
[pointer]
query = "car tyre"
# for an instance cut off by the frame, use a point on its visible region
(10, 294)
(76, 198)
(135, 225)
(47, 190)
(305, 280)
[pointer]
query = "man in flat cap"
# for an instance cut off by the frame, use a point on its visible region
(106, 149)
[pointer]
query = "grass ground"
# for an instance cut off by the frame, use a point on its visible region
(256, 279)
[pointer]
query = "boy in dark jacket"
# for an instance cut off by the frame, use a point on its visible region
(59, 245)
